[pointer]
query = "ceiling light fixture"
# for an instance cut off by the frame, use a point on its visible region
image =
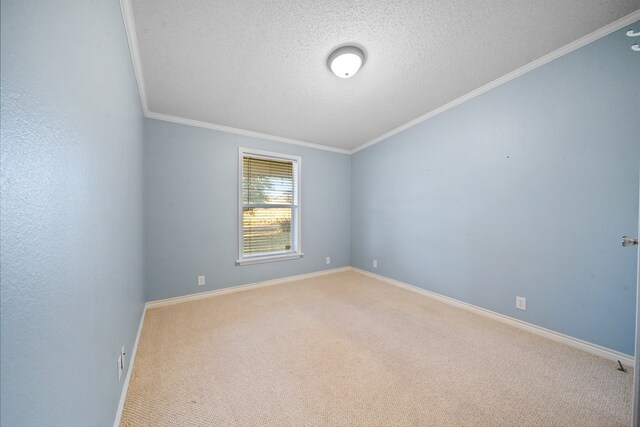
(345, 61)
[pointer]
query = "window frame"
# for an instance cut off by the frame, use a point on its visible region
(296, 241)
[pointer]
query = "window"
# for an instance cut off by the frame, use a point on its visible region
(269, 208)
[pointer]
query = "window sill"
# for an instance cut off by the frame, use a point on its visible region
(268, 258)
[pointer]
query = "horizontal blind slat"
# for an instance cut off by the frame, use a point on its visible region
(265, 182)
(268, 181)
(266, 230)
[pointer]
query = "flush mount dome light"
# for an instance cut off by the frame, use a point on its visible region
(345, 61)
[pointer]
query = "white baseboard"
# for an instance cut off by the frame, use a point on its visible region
(241, 288)
(598, 350)
(132, 359)
(177, 300)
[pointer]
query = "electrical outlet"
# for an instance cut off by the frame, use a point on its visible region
(201, 281)
(521, 303)
(327, 260)
(121, 362)
(375, 263)
(119, 366)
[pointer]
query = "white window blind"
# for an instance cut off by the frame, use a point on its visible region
(269, 206)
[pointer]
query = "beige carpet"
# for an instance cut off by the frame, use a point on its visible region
(347, 350)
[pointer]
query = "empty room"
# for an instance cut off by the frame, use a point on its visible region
(319, 213)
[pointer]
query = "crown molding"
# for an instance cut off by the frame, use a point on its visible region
(583, 41)
(127, 14)
(243, 132)
(132, 38)
(130, 28)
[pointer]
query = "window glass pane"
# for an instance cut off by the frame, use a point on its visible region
(266, 230)
(267, 181)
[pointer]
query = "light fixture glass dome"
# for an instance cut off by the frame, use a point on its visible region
(345, 61)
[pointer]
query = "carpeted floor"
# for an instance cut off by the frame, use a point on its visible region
(347, 350)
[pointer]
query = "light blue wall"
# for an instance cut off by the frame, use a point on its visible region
(192, 210)
(525, 190)
(72, 262)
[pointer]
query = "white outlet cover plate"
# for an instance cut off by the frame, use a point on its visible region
(521, 303)
(328, 260)
(201, 280)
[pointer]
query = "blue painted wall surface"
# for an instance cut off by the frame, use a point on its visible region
(525, 190)
(192, 210)
(72, 261)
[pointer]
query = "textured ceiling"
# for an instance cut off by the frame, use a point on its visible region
(260, 66)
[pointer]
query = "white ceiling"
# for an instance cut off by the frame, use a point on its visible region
(260, 66)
